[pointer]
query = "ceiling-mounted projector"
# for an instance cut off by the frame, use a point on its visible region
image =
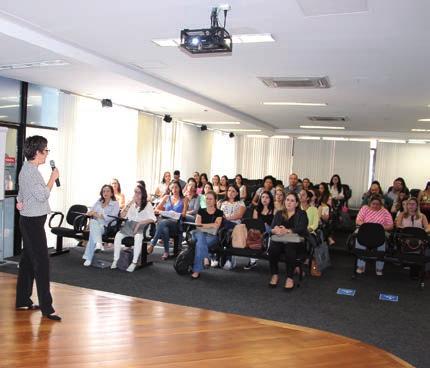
(213, 40)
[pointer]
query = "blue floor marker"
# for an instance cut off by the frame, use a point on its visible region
(348, 292)
(389, 298)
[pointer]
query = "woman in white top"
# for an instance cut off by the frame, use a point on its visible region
(163, 187)
(232, 207)
(100, 214)
(412, 217)
(243, 192)
(139, 214)
(336, 189)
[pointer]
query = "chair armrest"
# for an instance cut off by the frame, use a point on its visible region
(79, 223)
(53, 216)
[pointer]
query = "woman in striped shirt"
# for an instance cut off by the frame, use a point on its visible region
(373, 213)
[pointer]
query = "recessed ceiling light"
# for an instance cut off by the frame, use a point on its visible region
(427, 119)
(294, 104)
(360, 139)
(334, 139)
(244, 130)
(418, 141)
(257, 136)
(239, 38)
(321, 127)
(281, 136)
(252, 38)
(3, 116)
(34, 64)
(312, 138)
(391, 141)
(8, 106)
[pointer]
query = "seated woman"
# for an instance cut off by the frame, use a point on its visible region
(324, 203)
(305, 197)
(167, 227)
(223, 187)
(292, 220)
(412, 217)
(306, 184)
(424, 201)
(397, 206)
(264, 211)
(279, 200)
(99, 213)
(216, 182)
(209, 219)
(375, 188)
(163, 188)
(139, 214)
(118, 195)
(232, 207)
(202, 182)
(268, 186)
(377, 214)
(202, 198)
(196, 177)
(336, 190)
(193, 201)
(243, 192)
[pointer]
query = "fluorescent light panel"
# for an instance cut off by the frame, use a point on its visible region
(294, 104)
(281, 136)
(424, 120)
(240, 38)
(3, 116)
(321, 127)
(257, 136)
(418, 141)
(242, 130)
(420, 130)
(391, 141)
(221, 123)
(34, 64)
(311, 138)
(334, 139)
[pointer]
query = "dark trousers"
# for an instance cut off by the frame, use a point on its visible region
(34, 264)
(292, 251)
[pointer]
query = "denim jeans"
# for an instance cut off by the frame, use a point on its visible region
(166, 229)
(96, 231)
(203, 242)
(362, 264)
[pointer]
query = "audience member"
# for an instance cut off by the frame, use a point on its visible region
(196, 177)
(268, 186)
(232, 207)
(336, 190)
(324, 211)
(177, 177)
(118, 195)
(209, 219)
(223, 187)
(306, 184)
(208, 187)
(202, 182)
(393, 192)
(412, 217)
(398, 203)
(193, 201)
(292, 220)
(167, 227)
(99, 213)
(163, 187)
(373, 213)
(243, 192)
(293, 185)
(305, 197)
(216, 182)
(279, 200)
(139, 214)
(424, 201)
(375, 188)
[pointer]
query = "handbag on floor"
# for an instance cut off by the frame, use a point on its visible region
(322, 256)
(125, 259)
(238, 236)
(254, 239)
(184, 261)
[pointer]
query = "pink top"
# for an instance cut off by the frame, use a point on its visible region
(412, 221)
(382, 216)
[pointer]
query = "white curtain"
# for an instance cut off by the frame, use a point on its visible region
(257, 157)
(313, 159)
(351, 163)
(223, 155)
(410, 161)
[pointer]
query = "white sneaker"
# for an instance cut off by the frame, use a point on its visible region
(227, 265)
(214, 263)
(99, 246)
(87, 263)
(113, 265)
(132, 267)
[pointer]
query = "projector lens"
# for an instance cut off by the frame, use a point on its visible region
(195, 41)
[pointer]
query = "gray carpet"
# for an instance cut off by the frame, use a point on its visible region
(401, 328)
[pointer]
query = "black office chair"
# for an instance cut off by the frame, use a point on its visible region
(412, 246)
(371, 236)
(74, 218)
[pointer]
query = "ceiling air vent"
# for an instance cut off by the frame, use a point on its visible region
(296, 82)
(328, 118)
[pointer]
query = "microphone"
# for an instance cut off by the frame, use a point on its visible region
(57, 181)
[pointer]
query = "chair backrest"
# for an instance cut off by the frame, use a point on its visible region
(256, 224)
(413, 232)
(371, 235)
(71, 215)
(414, 192)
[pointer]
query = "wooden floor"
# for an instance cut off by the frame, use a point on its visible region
(108, 330)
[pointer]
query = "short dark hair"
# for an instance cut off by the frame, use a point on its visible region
(34, 144)
(176, 172)
(376, 197)
(271, 178)
(234, 186)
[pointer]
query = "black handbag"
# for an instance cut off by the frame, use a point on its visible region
(185, 260)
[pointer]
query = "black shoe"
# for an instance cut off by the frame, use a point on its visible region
(250, 265)
(28, 307)
(53, 317)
